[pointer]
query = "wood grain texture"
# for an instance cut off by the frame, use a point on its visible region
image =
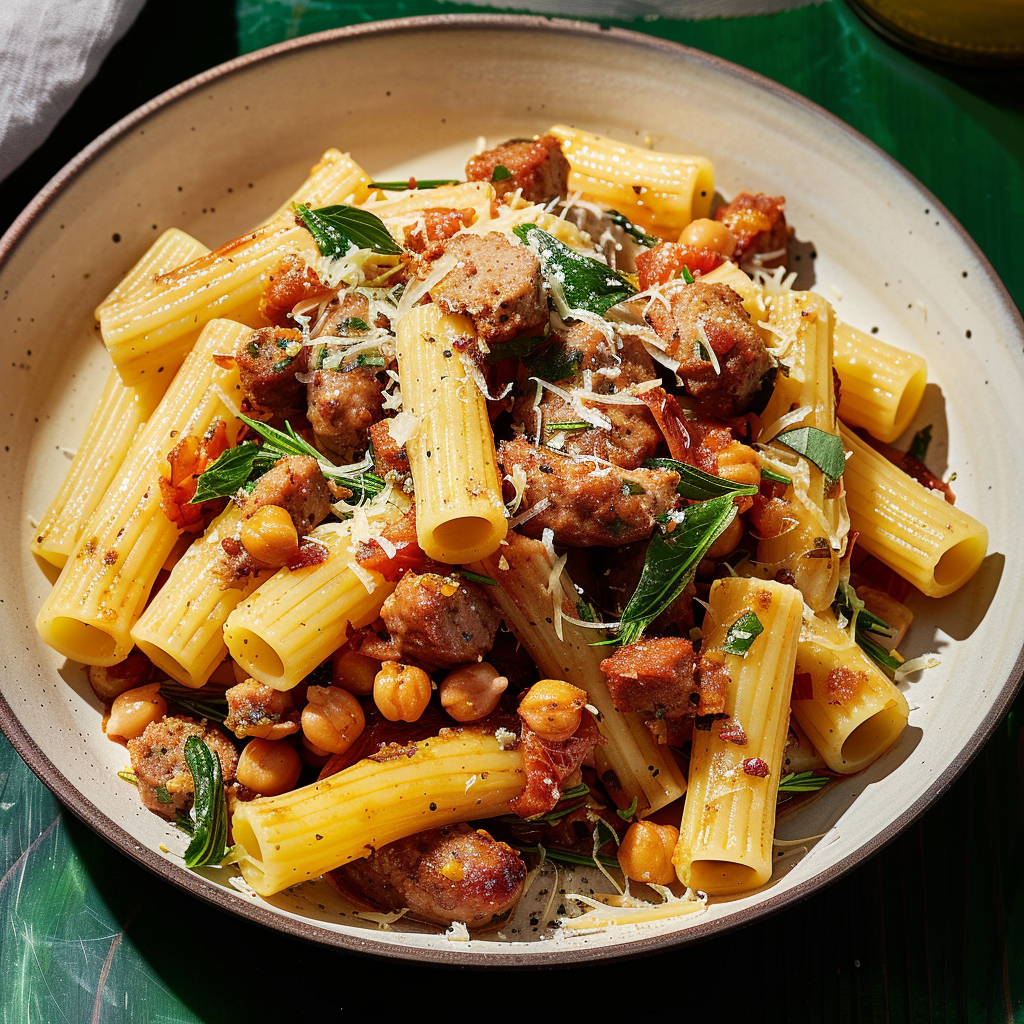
(932, 929)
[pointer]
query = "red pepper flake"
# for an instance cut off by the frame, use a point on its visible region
(757, 767)
(732, 732)
(803, 688)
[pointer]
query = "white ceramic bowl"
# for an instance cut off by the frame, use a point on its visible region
(221, 151)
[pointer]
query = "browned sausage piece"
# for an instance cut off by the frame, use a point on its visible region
(703, 315)
(758, 223)
(255, 709)
(298, 486)
(537, 166)
(454, 873)
(440, 621)
(494, 282)
(268, 360)
(289, 283)
(655, 677)
(587, 504)
(158, 761)
(388, 457)
(342, 406)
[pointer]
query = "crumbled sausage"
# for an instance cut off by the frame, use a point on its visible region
(158, 761)
(453, 873)
(655, 677)
(586, 503)
(342, 406)
(548, 763)
(758, 223)
(440, 621)
(268, 360)
(298, 486)
(388, 456)
(255, 709)
(435, 225)
(288, 284)
(494, 282)
(703, 315)
(537, 166)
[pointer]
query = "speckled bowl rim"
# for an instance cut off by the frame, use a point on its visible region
(86, 811)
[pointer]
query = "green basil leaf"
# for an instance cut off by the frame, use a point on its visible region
(823, 449)
(686, 275)
(402, 186)
(587, 283)
(637, 234)
(516, 347)
(804, 782)
(554, 363)
(209, 844)
(697, 485)
(919, 446)
(671, 561)
(227, 474)
(778, 478)
(335, 229)
(501, 173)
(742, 633)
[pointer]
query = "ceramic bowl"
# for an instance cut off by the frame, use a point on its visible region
(219, 152)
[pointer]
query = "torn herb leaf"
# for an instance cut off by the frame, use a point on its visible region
(163, 795)
(554, 363)
(637, 234)
(568, 426)
(127, 776)
(804, 782)
(201, 703)
(227, 474)
(586, 283)
(209, 842)
(336, 229)
(467, 574)
(501, 173)
(403, 186)
(823, 449)
(354, 323)
(742, 633)
(672, 558)
(865, 626)
(697, 485)
(626, 813)
(567, 856)
(687, 274)
(919, 446)
(776, 478)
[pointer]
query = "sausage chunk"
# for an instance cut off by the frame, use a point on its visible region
(440, 621)
(158, 761)
(665, 261)
(289, 283)
(342, 406)
(655, 677)
(494, 282)
(453, 873)
(587, 504)
(268, 360)
(436, 225)
(537, 166)
(255, 709)
(758, 223)
(633, 437)
(388, 457)
(712, 314)
(298, 486)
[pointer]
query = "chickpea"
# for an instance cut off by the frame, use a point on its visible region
(709, 234)
(354, 672)
(553, 709)
(471, 692)
(134, 710)
(269, 535)
(645, 853)
(268, 767)
(726, 543)
(333, 719)
(401, 692)
(311, 754)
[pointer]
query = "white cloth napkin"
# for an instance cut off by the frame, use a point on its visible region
(49, 50)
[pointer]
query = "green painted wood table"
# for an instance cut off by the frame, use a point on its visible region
(932, 929)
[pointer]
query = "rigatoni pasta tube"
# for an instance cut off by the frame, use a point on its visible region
(802, 326)
(106, 582)
(155, 326)
(725, 839)
(460, 516)
(662, 192)
(849, 710)
(461, 775)
(913, 530)
(882, 385)
(642, 769)
(299, 617)
(181, 630)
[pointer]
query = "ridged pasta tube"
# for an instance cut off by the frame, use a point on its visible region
(461, 775)
(299, 617)
(106, 582)
(115, 420)
(849, 710)
(460, 516)
(527, 598)
(725, 839)
(802, 325)
(155, 326)
(914, 531)
(182, 629)
(661, 192)
(882, 385)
